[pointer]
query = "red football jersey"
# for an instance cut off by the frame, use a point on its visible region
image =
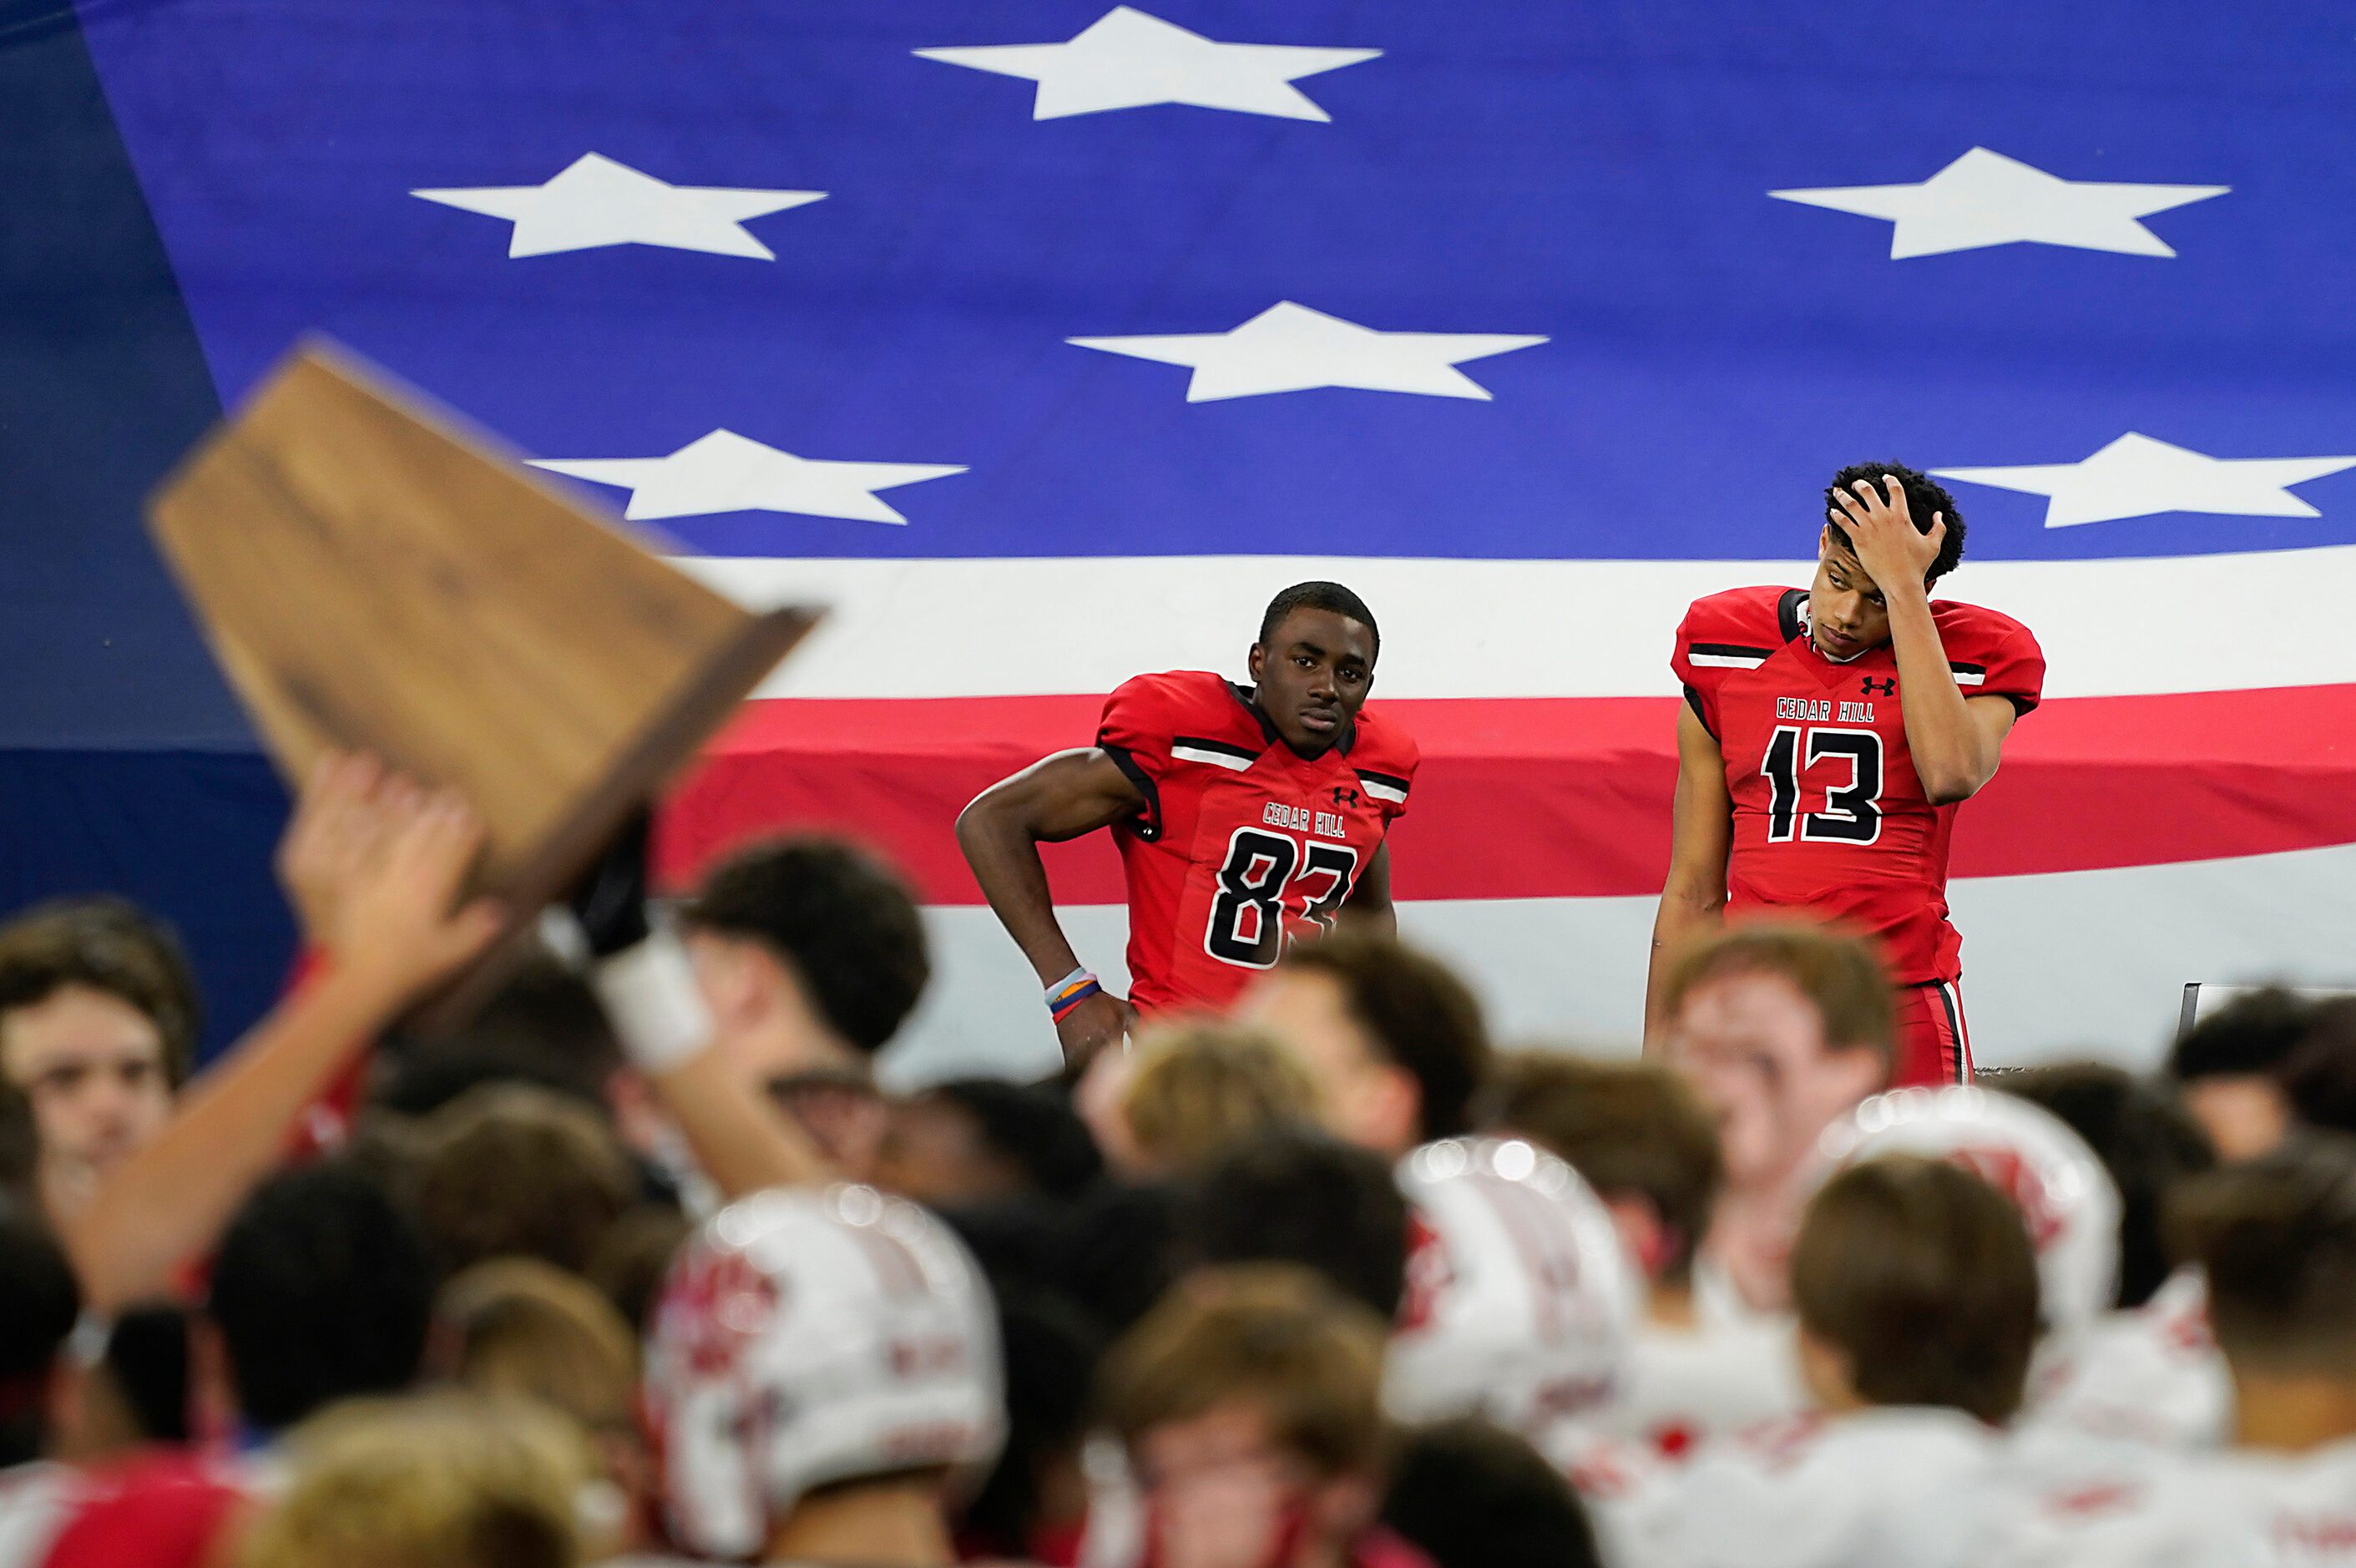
(1244, 844)
(1829, 818)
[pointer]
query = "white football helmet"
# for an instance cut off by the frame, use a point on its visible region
(808, 1337)
(2025, 1151)
(1520, 1299)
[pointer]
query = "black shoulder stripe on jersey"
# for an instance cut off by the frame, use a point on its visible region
(1371, 777)
(1248, 697)
(1960, 668)
(1693, 700)
(1787, 614)
(1146, 824)
(1730, 649)
(1223, 747)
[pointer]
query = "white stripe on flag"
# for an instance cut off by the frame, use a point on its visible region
(2062, 965)
(1504, 628)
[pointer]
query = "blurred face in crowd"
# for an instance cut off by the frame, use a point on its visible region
(1753, 1047)
(1221, 1493)
(93, 1067)
(2244, 1114)
(767, 1023)
(933, 1151)
(1369, 1100)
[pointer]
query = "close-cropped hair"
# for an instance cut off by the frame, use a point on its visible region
(1922, 1275)
(1838, 974)
(2145, 1137)
(1421, 1017)
(1197, 1088)
(1273, 1336)
(1330, 596)
(2252, 1034)
(1299, 1195)
(1632, 1128)
(843, 919)
(1927, 498)
(2276, 1236)
(107, 945)
(513, 1170)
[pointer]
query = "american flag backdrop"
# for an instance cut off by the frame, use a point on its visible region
(1046, 339)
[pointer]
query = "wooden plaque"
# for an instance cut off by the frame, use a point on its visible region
(375, 575)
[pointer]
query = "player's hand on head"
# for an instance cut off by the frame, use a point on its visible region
(397, 920)
(1102, 1020)
(1881, 531)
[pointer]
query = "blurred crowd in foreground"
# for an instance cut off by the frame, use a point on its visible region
(641, 1265)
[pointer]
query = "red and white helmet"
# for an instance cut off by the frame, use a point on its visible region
(809, 1337)
(2025, 1151)
(1520, 1299)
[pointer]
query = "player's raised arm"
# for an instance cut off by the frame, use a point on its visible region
(1955, 741)
(1054, 799)
(1702, 833)
(381, 862)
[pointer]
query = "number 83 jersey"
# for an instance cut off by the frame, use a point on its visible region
(1244, 844)
(1830, 819)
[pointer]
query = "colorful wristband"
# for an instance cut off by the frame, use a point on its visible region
(1069, 993)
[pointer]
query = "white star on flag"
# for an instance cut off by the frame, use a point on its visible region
(1987, 198)
(727, 472)
(598, 202)
(1127, 60)
(1290, 348)
(2137, 476)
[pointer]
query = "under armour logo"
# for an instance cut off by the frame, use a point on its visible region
(1343, 796)
(1889, 688)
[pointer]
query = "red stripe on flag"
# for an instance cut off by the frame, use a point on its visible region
(1551, 796)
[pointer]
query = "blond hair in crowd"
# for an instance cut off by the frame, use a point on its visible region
(520, 1326)
(1195, 1091)
(1274, 1337)
(440, 1481)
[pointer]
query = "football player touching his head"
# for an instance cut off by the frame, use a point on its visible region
(1828, 735)
(1246, 816)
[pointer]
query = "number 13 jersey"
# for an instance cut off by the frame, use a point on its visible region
(1244, 844)
(1829, 818)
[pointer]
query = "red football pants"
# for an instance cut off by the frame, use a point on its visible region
(1933, 1045)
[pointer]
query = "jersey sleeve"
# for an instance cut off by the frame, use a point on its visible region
(1385, 768)
(1142, 721)
(1700, 690)
(1997, 656)
(1720, 635)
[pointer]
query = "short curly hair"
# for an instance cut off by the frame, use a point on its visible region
(841, 917)
(1924, 496)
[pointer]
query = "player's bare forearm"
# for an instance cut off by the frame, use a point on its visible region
(1955, 741)
(1702, 837)
(394, 932)
(1681, 920)
(1370, 904)
(1058, 798)
(741, 1140)
(169, 1201)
